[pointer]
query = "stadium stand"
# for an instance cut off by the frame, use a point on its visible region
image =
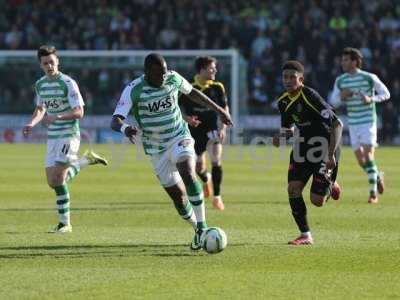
(265, 32)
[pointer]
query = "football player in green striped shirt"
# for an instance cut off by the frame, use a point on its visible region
(59, 105)
(359, 91)
(153, 99)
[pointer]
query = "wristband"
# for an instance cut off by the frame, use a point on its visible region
(123, 127)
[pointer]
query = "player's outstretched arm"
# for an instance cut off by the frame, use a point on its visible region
(192, 120)
(200, 98)
(37, 116)
(117, 124)
(382, 92)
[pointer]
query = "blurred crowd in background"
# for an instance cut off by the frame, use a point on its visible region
(265, 32)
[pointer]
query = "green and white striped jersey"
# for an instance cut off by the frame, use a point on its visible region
(360, 83)
(156, 110)
(59, 95)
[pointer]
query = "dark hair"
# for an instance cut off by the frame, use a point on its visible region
(354, 54)
(153, 59)
(293, 65)
(202, 62)
(46, 50)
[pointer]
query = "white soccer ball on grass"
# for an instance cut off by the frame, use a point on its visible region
(214, 240)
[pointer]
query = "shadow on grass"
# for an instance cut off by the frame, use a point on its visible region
(100, 251)
(106, 206)
(95, 251)
(110, 206)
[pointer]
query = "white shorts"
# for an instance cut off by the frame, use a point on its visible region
(62, 151)
(363, 134)
(164, 164)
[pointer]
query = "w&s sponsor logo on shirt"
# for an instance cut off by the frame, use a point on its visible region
(161, 104)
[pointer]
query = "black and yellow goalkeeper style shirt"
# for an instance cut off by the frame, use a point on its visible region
(216, 92)
(311, 114)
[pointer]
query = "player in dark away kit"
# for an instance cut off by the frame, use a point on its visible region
(205, 127)
(315, 150)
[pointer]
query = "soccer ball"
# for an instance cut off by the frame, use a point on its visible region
(214, 240)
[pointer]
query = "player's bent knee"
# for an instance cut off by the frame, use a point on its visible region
(216, 163)
(294, 191)
(51, 184)
(188, 178)
(318, 200)
(361, 163)
(200, 168)
(187, 174)
(55, 182)
(185, 158)
(368, 160)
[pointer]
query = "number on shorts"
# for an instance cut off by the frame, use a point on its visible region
(322, 169)
(213, 134)
(65, 149)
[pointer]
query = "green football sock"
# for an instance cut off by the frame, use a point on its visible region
(372, 171)
(195, 195)
(73, 170)
(63, 203)
(185, 210)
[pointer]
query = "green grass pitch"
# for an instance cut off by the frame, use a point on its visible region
(129, 243)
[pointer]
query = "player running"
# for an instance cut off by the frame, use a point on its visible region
(360, 90)
(59, 105)
(153, 99)
(206, 129)
(315, 151)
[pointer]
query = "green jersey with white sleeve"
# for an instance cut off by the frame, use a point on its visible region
(59, 95)
(156, 110)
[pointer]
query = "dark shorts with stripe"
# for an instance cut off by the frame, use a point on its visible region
(203, 137)
(302, 170)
